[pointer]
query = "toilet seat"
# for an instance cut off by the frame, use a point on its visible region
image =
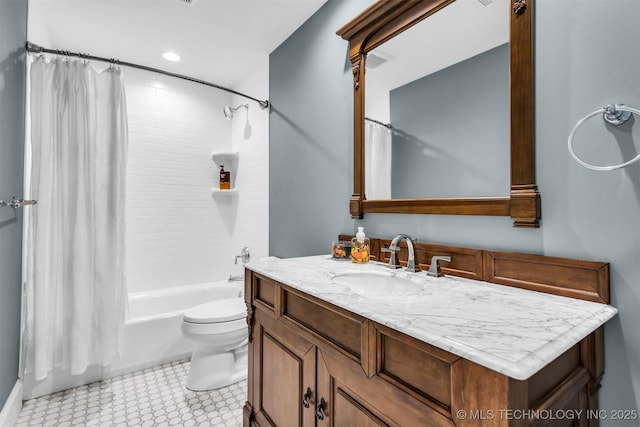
(219, 311)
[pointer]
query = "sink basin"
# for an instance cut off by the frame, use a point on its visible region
(372, 284)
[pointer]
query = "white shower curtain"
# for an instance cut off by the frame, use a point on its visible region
(377, 161)
(75, 292)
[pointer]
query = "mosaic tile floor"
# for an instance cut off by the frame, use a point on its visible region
(155, 397)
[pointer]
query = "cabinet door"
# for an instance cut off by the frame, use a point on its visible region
(348, 412)
(343, 407)
(283, 372)
(353, 399)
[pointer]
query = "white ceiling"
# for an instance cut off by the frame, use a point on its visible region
(219, 41)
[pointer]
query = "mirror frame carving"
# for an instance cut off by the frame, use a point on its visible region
(386, 19)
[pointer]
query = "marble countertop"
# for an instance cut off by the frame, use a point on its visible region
(512, 331)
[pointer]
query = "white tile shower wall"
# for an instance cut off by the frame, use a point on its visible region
(250, 137)
(177, 234)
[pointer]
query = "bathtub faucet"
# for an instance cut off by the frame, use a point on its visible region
(244, 256)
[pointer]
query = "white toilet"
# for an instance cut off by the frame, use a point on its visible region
(218, 331)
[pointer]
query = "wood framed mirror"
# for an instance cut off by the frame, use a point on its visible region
(385, 20)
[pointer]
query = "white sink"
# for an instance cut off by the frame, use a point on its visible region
(370, 283)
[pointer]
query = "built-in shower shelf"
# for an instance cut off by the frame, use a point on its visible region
(229, 159)
(216, 192)
(224, 157)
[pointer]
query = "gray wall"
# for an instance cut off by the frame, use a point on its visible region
(13, 34)
(457, 146)
(585, 214)
(310, 134)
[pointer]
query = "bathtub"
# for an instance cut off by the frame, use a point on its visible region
(152, 335)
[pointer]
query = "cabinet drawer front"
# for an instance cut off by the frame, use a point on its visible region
(264, 290)
(416, 366)
(342, 329)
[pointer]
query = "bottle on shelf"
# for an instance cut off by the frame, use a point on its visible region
(225, 179)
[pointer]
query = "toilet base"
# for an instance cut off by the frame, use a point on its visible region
(211, 371)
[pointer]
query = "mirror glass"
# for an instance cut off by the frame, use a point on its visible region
(443, 87)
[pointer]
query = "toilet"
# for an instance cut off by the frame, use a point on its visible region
(218, 331)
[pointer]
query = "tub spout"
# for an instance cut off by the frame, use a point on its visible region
(236, 278)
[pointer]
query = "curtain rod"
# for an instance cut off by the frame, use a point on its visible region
(378, 122)
(34, 48)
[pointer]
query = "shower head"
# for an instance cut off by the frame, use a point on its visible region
(229, 112)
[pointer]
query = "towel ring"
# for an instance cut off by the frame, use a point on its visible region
(615, 114)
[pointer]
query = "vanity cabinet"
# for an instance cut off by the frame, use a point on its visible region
(312, 363)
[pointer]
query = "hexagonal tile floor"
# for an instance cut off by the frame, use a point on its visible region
(152, 397)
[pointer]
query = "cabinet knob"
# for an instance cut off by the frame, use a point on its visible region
(320, 409)
(306, 398)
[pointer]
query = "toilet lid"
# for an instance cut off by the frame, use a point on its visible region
(218, 311)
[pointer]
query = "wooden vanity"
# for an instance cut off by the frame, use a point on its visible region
(313, 362)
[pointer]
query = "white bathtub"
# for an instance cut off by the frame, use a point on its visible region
(152, 335)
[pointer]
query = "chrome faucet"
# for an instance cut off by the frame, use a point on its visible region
(244, 256)
(434, 268)
(237, 278)
(393, 248)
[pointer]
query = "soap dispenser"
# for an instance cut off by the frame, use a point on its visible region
(360, 247)
(225, 179)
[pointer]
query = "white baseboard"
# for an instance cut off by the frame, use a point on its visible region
(11, 408)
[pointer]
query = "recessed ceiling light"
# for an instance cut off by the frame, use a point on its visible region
(170, 56)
